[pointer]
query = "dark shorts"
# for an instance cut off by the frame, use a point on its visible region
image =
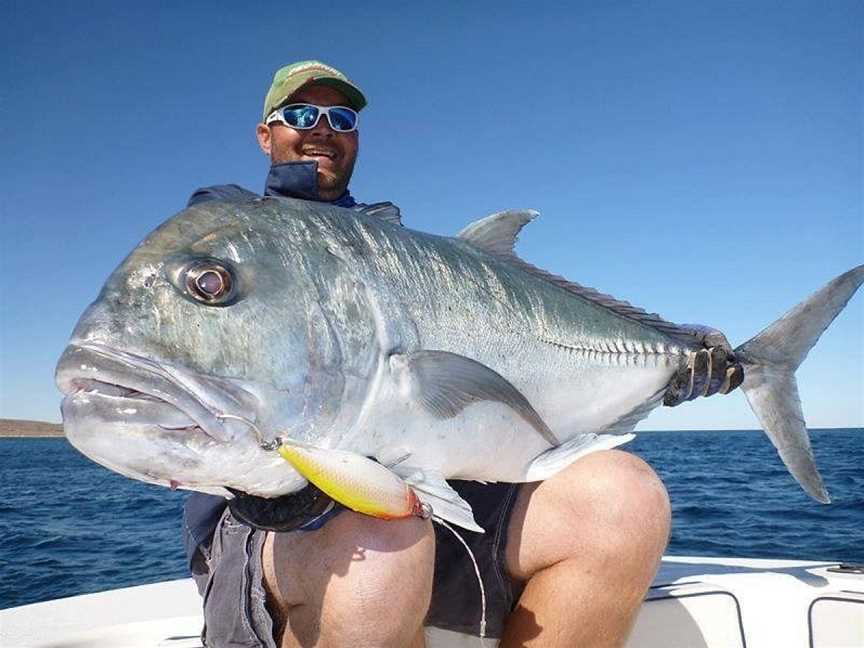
(235, 612)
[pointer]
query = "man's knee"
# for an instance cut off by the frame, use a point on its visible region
(617, 491)
(357, 577)
(607, 506)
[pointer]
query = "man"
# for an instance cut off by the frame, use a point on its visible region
(565, 562)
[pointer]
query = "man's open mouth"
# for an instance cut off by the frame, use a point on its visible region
(320, 152)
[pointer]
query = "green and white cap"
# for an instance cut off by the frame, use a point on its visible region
(291, 78)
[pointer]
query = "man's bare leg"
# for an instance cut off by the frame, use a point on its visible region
(588, 542)
(357, 582)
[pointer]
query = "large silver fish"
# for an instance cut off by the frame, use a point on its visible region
(235, 323)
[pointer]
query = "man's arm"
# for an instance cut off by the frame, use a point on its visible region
(220, 192)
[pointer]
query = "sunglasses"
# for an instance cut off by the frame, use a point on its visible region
(306, 116)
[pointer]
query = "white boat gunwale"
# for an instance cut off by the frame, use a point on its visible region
(802, 599)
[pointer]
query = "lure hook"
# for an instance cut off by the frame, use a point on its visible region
(269, 446)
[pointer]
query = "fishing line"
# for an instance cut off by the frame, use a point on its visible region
(476, 572)
(275, 443)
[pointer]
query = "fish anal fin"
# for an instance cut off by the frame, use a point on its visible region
(613, 435)
(445, 383)
(553, 461)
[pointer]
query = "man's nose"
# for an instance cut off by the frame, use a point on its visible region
(322, 128)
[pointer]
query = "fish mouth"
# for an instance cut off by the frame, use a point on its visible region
(165, 424)
(114, 386)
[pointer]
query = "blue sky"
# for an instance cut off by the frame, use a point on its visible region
(703, 160)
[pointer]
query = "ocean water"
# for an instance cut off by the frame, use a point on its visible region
(69, 526)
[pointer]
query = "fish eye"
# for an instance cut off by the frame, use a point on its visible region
(210, 282)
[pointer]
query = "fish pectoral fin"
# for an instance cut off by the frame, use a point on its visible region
(432, 489)
(446, 383)
(553, 461)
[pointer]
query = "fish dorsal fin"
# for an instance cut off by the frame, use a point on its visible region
(496, 234)
(625, 309)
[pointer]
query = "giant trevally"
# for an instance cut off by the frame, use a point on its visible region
(235, 324)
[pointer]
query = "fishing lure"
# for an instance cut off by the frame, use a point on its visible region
(355, 481)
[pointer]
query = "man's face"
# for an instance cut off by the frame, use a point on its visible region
(334, 152)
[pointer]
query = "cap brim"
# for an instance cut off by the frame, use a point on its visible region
(352, 93)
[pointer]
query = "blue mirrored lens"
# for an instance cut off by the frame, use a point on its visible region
(342, 119)
(300, 116)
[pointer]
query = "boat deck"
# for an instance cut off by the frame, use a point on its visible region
(694, 603)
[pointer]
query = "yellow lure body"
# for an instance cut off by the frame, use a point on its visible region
(355, 481)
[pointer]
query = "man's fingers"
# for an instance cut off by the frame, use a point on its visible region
(708, 372)
(719, 364)
(678, 389)
(700, 373)
(734, 377)
(709, 337)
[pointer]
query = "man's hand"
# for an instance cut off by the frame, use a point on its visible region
(711, 370)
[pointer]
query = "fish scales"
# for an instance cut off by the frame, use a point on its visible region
(453, 297)
(236, 324)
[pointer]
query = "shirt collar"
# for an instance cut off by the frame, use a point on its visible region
(300, 180)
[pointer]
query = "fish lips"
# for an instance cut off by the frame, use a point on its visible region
(165, 424)
(107, 403)
(105, 385)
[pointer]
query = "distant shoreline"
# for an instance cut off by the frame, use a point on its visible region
(19, 429)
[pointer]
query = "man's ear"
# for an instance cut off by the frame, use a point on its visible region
(262, 132)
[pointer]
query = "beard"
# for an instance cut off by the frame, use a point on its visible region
(334, 182)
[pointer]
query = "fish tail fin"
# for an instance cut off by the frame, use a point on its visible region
(770, 360)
